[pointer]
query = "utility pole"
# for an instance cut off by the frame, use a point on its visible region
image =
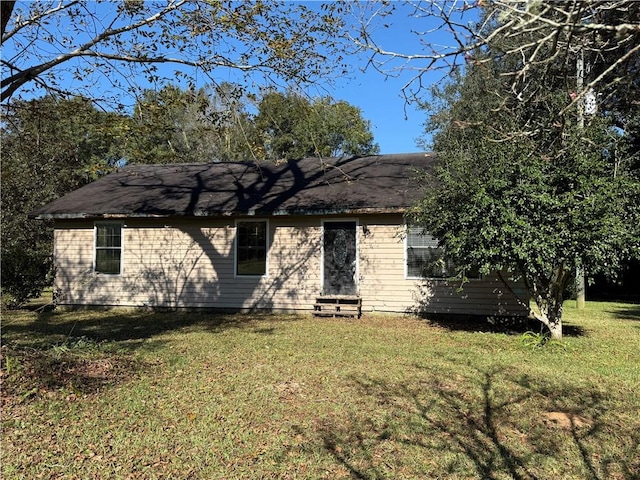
(581, 291)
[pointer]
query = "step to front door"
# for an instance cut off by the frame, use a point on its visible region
(338, 306)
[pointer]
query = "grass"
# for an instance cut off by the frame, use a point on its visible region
(165, 395)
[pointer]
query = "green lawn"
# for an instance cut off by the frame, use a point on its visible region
(201, 396)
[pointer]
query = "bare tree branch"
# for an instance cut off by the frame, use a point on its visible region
(5, 13)
(53, 41)
(546, 32)
(19, 24)
(14, 82)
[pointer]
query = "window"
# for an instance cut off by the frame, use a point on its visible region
(425, 259)
(251, 248)
(108, 248)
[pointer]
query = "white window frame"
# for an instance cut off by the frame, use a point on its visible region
(267, 243)
(96, 225)
(406, 260)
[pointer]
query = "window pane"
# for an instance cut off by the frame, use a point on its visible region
(425, 259)
(108, 261)
(416, 238)
(427, 263)
(251, 249)
(108, 236)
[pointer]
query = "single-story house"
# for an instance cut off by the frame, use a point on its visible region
(246, 236)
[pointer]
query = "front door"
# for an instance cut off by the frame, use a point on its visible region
(340, 258)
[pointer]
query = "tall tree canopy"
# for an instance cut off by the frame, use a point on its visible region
(292, 127)
(217, 124)
(49, 147)
(71, 47)
(171, 125)
(526, 181)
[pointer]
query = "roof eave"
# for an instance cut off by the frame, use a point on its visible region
(237, 213)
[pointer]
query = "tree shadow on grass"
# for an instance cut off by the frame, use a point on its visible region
(131, 328)
(630, 311)
(492, 424)
(495, 324)
(81, 352)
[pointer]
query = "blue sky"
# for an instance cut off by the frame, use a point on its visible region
(396, 125)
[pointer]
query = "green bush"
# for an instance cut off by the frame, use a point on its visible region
(25, 273)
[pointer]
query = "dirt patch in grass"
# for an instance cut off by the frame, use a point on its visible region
(566, 420)
(289, 391)
(30, 374)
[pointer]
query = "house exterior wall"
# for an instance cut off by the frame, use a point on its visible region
(189, 262)
(384, 286)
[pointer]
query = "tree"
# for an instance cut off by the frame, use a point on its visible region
(170, 126)
(337, 128)
(523, 186)
(214, 124)
(540, 33)
(50, 146)
(235, 134)
(70, 47)
(293, 126)
(523, 127)
(185, 126)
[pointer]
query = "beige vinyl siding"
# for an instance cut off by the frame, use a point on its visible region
(384, 286)
(381, 266)
(189, 262)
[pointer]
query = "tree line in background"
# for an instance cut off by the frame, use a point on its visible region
(51, 146)
(223, 124)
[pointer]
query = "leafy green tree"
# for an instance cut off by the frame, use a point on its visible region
(282, 121)
(169, 126)
(338, 128)
(184, 126)
(293, 126)
(518, 170)
(235, 135)
(50, 146)
(522, 185)
(215, 124)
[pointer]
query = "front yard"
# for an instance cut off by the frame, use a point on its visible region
(202, 396)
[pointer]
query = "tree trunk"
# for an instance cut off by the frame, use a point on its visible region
(550, 301)
(5, 13)
(556, 332)
(555, 326)
(551, 317)
(580, 288)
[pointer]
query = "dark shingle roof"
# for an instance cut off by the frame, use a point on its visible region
(383, 183)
